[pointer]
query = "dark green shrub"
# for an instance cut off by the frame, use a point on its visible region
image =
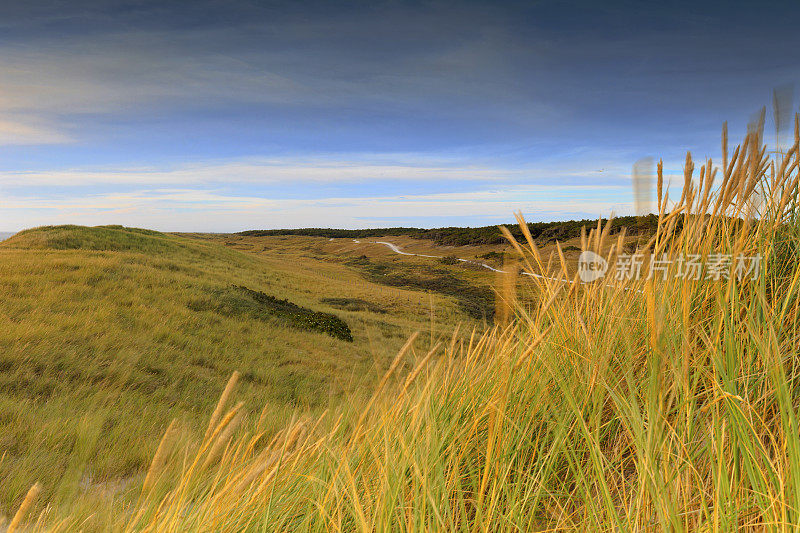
(238, 301)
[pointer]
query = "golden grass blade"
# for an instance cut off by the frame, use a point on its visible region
(27, 503)
(223, 399)
(420, 366)
(160, 457)
(395, 363)
(222, 435)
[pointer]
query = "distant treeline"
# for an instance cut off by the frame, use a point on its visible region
(543, 232)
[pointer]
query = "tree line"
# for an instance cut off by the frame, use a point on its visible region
(543, 232)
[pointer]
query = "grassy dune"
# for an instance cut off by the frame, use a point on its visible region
(108, 333)
(649, 405)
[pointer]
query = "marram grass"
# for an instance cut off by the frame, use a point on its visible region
(100, 348)
(651, 405)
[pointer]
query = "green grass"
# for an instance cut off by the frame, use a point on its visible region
(116, 238)
(477, 301)
(354, 304)
(102, 343)
(237, 301)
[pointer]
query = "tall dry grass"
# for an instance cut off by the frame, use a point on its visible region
(620, 405)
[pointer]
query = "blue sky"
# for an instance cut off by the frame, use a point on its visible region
(224, 116)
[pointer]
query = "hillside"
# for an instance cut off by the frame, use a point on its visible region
(107, 333)
(608, 406)
(664, 403)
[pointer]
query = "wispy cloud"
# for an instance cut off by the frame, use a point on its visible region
(29, 132)
(116, 71)
(211, 210)
(264, 171)
(411, 168)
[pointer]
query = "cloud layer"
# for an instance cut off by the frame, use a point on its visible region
(229, 115)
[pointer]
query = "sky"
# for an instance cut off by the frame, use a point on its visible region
(214, 115)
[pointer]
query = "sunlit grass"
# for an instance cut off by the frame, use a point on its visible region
(613, 406)
(101, 347)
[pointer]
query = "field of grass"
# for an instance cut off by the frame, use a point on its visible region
(108, 333)
(620, 405)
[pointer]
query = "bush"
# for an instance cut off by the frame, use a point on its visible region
(236, 300)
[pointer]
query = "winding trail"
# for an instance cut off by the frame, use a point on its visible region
(397, 250)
